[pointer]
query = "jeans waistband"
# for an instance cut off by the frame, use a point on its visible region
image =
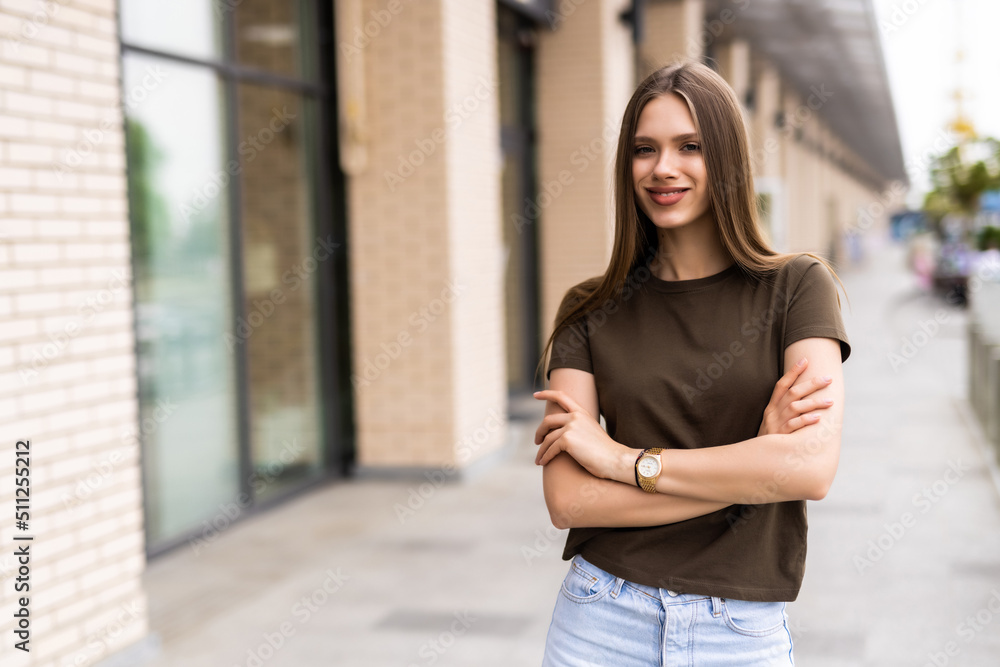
(665, 595)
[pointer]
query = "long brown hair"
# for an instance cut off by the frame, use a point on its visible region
(718, 119)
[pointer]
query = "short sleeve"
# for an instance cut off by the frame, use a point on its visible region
(813, 308)
(571, 347)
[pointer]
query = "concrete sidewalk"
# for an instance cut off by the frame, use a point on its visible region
(904, 553)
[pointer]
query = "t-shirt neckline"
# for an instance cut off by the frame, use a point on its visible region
(662, 285)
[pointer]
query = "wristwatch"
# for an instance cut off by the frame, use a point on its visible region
(647, 469)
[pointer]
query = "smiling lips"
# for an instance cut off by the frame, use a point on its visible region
(666, 196)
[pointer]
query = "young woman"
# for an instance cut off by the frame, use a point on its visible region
(716, 363)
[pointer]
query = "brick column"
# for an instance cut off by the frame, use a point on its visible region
(426, 255)
(584, 80)
(675, 29)
(67, 368)
(734, 66)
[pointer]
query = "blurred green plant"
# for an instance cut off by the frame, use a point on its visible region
(988, 238)
(960, 176)
(150, 219)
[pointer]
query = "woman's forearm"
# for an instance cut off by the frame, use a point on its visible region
(577, 499)
(766, 469)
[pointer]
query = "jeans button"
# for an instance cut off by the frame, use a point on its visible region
(671, 593)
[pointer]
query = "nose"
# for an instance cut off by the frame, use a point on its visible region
(665, 167)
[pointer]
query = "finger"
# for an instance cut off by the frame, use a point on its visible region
(788, 379)
(809, 404)
(559, 397)
(794, 424)
(547, 441)
(550, 422)
(549, 447)
(802, 390)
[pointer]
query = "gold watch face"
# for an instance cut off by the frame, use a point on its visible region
(649, 466)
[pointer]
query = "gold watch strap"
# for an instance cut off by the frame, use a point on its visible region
(648, 484)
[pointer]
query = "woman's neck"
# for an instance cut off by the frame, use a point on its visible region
(689, 252)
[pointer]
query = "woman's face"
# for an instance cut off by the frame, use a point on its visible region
(668, 168)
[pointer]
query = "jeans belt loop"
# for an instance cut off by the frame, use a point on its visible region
(716, 606)
(618, 587)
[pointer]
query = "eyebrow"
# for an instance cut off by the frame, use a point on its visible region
(679, 137)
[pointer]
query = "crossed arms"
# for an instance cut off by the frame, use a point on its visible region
(589, 479)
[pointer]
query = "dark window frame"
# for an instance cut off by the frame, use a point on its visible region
(329, 220)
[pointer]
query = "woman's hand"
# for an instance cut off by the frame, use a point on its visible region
(578, 434)
(789, 409)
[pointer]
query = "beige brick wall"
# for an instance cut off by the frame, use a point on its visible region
(675, 29)
(619, 78)
(734, 65)
(815, 200)
(763, 133)
(67, 370)
(479, 367)
(821, 199)
(584, 79)
(426, 246)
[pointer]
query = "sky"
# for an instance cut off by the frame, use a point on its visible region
(920, 39)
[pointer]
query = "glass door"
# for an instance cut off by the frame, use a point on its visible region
(233, 254)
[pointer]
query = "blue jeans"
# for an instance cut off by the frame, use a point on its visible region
(604, 620)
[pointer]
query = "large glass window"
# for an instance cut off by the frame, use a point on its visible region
(223, 139)
(282, 258)
(276, 36)
(176, 143)
(191, 28)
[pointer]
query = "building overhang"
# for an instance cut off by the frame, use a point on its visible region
(833, 44)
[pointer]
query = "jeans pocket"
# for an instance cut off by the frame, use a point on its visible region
(753, 618)
(586, 582)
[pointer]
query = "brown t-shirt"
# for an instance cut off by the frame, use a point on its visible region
(692, 363)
